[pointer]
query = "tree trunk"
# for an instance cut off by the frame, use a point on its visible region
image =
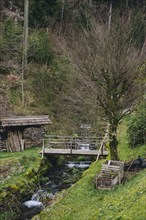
(110, 15)
(25, 48)
(113, 145)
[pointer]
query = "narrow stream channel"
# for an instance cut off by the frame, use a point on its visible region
(59, 179)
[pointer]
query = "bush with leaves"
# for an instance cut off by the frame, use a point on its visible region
(137, 127)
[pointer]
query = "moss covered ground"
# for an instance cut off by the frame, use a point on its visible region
(15, 166)
(19, 179)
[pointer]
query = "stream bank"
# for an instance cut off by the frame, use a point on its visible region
(62, 175)
(34, 179)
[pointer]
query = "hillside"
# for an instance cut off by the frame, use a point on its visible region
(60, 79)
(52, 84)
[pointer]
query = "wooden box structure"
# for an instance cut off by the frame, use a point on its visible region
(112, 173)
(14, 127)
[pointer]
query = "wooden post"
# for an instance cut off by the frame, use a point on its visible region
(75, 143)
(43, 148)
(71, 148)
(99, 152)
(103, 144)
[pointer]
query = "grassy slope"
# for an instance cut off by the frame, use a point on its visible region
(83, 202)
(14, 166)
(18, 180)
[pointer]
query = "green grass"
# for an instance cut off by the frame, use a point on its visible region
(14, 166)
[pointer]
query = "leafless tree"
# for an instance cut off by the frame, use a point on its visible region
(112, 62)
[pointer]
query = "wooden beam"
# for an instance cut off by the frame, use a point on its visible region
(54, 151)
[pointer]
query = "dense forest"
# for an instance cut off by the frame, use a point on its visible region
(85, 61)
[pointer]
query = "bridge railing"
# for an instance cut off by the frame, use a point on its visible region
(56, 141)
(71, 142)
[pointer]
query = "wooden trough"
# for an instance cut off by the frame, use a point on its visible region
(112, 173)
(14, 127)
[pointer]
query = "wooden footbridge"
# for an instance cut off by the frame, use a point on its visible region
(70, 145)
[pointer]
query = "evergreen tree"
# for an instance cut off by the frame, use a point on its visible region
(40, 10)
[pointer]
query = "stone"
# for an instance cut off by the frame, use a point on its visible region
(30, 208)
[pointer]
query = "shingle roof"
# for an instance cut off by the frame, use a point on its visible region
(25, 121)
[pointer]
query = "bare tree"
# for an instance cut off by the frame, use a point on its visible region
(116, 75)
(112, 63)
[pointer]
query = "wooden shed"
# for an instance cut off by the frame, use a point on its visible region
(14, 127)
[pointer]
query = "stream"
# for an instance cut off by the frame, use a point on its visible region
(59, 179)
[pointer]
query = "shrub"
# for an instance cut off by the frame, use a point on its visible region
(81, 158)
(40, 50)
(137, 127)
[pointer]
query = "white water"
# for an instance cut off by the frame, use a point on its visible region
(84, 147)
(32, 204)
(81, 165)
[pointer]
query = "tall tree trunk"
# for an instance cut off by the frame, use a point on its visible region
(110, 15)
(113, 145)
(25, 47)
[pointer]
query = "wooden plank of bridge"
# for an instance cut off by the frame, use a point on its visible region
(74, 152)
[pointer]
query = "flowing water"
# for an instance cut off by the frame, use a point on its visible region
(58, 179)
